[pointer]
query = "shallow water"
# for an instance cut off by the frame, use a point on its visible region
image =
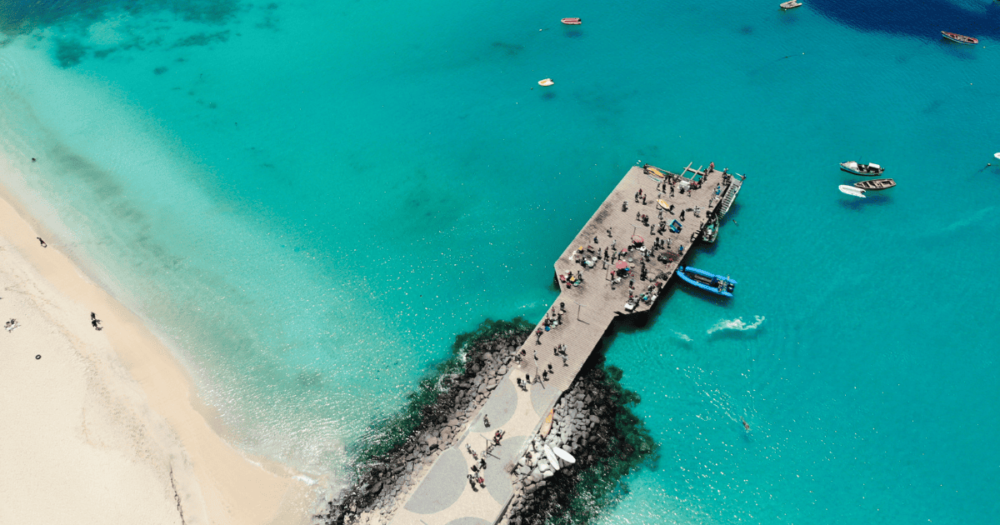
(311, 200)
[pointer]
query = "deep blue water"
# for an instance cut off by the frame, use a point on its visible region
(310, 200)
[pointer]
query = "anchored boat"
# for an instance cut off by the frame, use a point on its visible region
(852, 191)
(572, 21)
(711, 231)
(707, 281)
(867, 170)
(875, 184)
(960, 39)
(791, 4)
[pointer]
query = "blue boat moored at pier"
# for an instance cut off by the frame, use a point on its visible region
(707, 281)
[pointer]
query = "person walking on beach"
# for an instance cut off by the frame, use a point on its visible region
(40, 241)
(486, 420)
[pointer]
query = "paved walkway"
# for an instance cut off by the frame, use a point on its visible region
(444, 495)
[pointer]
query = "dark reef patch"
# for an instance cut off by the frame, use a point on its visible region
(202, 39)
(24, 16)
(508, 49)
(69, 53)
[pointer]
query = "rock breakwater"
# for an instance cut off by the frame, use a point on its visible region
(594, 422)
(435, 416)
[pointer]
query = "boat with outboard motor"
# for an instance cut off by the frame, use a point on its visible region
(875, 184)
(790, 4)
(711, 231)
(707, 281)
(867, 170)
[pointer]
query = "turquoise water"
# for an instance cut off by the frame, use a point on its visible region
(310, 200)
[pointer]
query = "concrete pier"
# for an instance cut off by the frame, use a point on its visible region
(443, 494)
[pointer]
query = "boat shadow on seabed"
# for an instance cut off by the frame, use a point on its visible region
(871, 199)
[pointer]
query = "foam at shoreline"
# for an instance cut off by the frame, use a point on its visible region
(109, 419)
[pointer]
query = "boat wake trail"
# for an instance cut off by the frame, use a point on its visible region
(736, 325)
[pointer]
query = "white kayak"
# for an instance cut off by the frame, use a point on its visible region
(553, 459)
(563, 455)
(851, 190)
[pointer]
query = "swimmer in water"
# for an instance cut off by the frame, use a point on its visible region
(745, 425)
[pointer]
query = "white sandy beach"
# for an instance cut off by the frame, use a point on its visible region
(103, 428)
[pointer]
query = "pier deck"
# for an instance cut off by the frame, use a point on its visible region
(443, 495)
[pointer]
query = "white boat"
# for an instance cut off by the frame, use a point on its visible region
(553, 459)
(868, 170)
(791, 4)
(851, 190)
(563, 455)
(997, 155)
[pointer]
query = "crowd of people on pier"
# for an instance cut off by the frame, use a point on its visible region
(625, 264)
(478, 467)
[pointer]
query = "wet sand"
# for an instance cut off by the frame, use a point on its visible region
(103, 427)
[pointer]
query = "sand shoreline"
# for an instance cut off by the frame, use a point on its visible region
(105, 427)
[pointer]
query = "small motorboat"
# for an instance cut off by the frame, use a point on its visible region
(711, 231)
(960, 39)
(867, 170)
(707, 281)
(545, 82)
(572, 21)
(852, 191)
(790, 4)
(875, 184)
